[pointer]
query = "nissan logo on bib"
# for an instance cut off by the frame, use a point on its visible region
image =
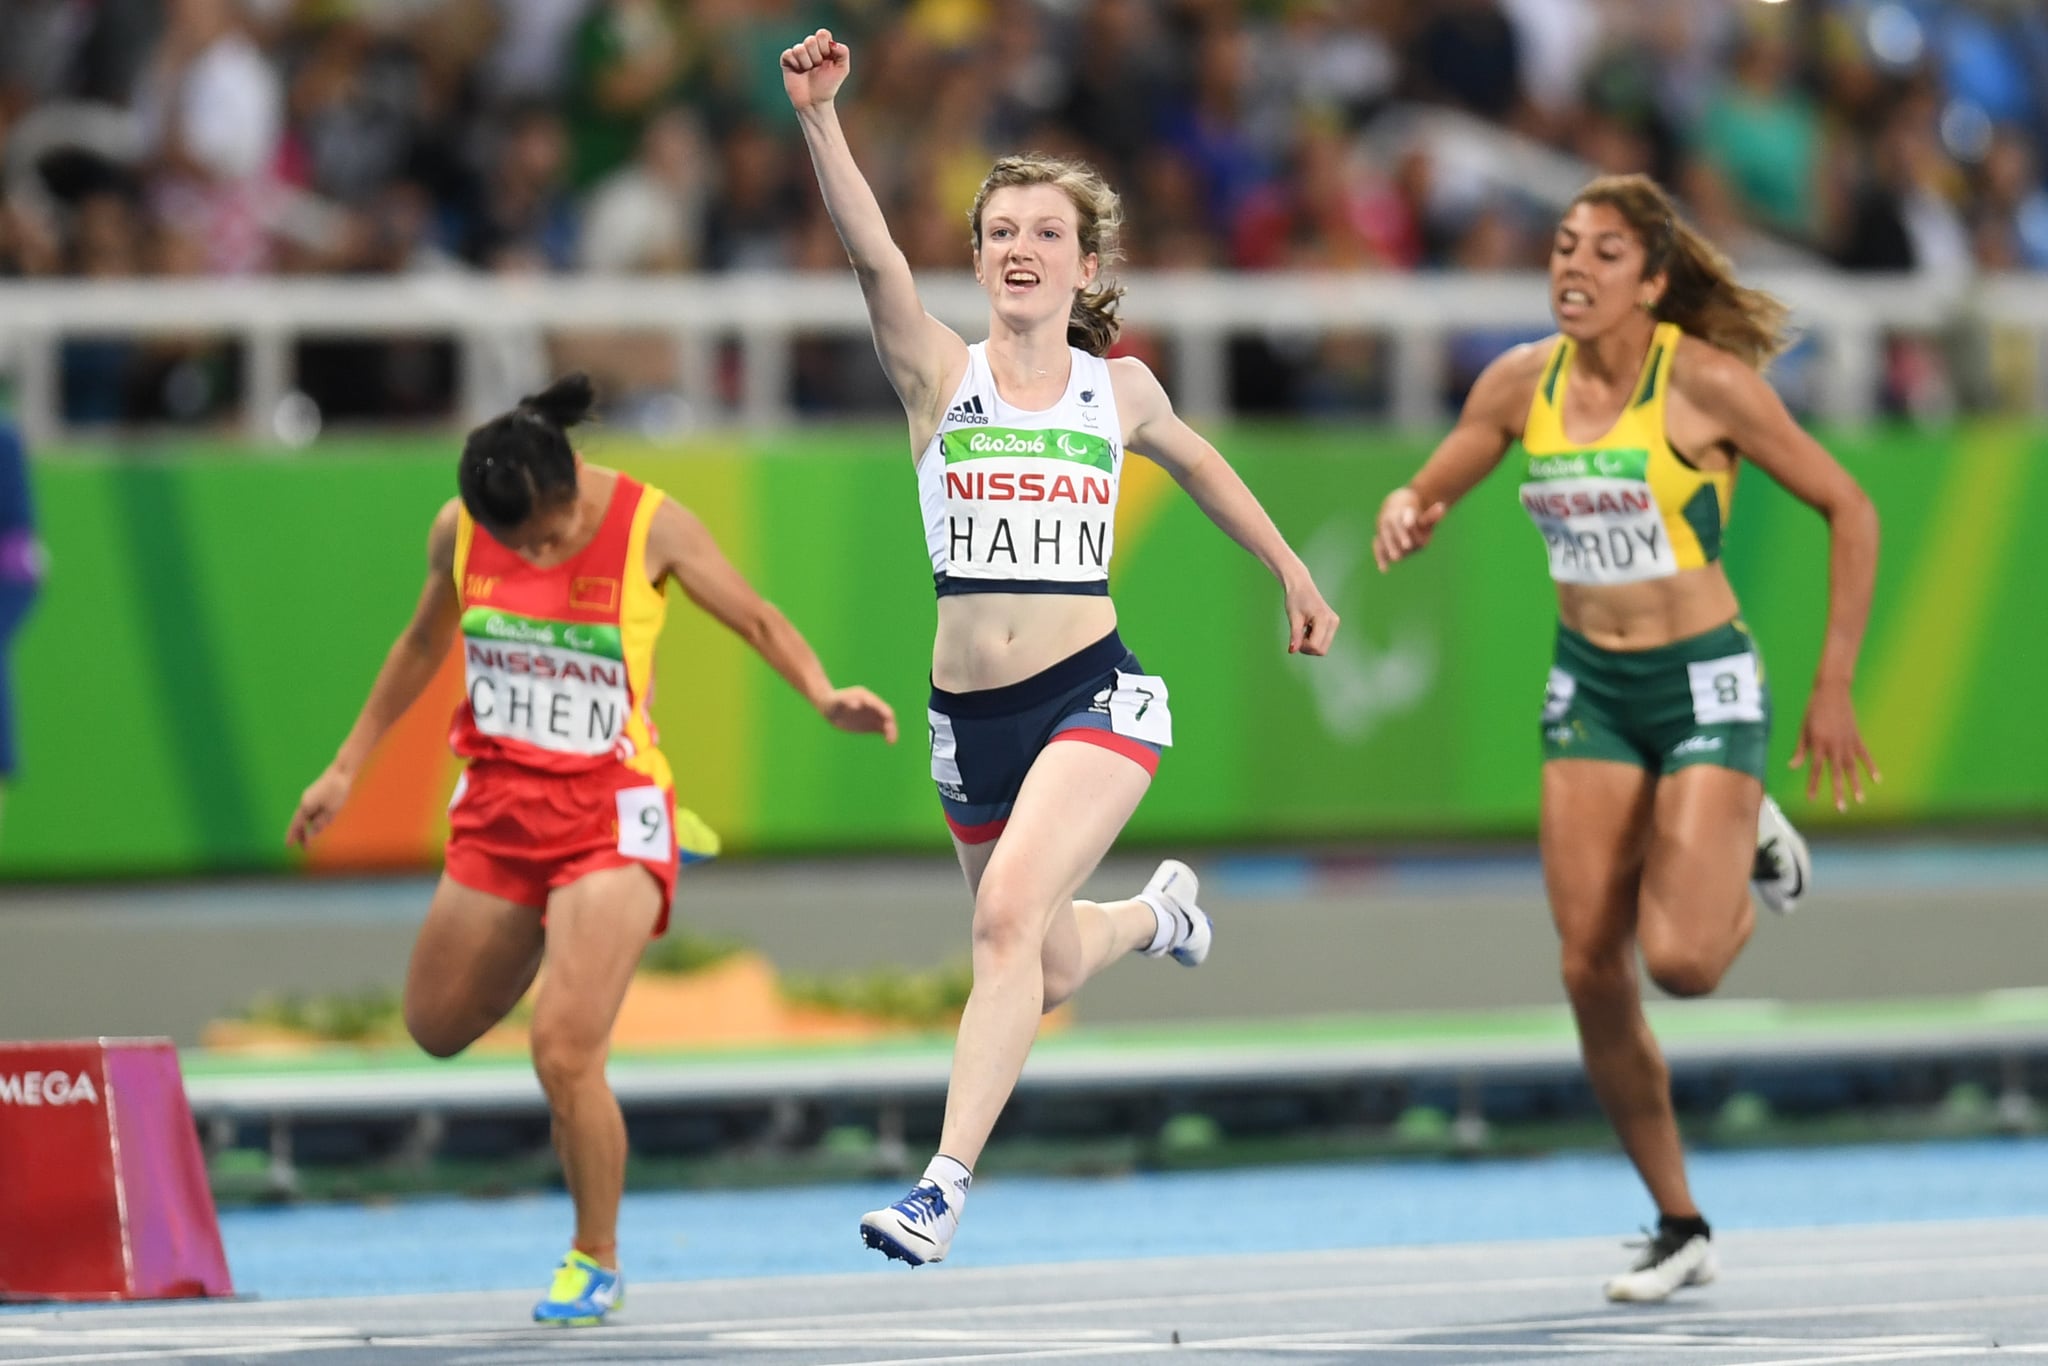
(560, 686)
(1028, 505)
(1599, 517)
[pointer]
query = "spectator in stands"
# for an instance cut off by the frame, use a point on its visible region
(394, 150)
(1329, 211)
(627, 64)
(529, 55)
(211, 110)
(1117, 84)
(2015, 203)
(1762, 134)
(1167, 231)
(1905, 218)
(1337, 58)
(358, 104)
(1466, 53)
(649, 216)
(1209, 126)
(757, 206)
(98, 373)
(526, 220)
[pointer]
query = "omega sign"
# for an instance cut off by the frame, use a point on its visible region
(47, 1088)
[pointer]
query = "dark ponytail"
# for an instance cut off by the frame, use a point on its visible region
(521, 462)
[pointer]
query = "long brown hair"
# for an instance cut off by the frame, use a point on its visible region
(1701, 293)
(1092, 325)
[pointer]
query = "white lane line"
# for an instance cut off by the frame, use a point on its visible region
(1612, 1317)
(203, 1334)
(1048, 1354)
(1915, 1354)
(1377, 1349)
(250, 1349)
(1911, 1354)
(1470, 1288)
(1897, 1341)
(910, 1337)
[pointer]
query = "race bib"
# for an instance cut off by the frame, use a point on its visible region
(1726, 690)
(644, 831)
(1027, 504)
(1599, 517)
(1137, 708)
(558, 686)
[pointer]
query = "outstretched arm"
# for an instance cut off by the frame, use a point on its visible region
(1755, 421)
(414, 659)
(1155, 430)
(1488, 424)
(680, 546)
(919, 353)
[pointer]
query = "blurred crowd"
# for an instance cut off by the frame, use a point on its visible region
(238, 137)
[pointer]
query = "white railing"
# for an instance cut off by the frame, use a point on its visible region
(1195, 314)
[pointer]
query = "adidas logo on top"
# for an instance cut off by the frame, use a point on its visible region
(968, 413)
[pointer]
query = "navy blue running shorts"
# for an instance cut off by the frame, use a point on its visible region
(983, 743)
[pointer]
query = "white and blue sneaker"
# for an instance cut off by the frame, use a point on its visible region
(582, 1293)
(1184, 928)
(917, 1229)
(1670, 1259)
(1783, 869)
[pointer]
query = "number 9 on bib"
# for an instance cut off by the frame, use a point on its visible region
(644, 831)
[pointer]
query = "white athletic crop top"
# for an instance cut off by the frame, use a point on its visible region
(1017, 501)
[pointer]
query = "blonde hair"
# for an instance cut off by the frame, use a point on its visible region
(1093, 324)
(1701, 293)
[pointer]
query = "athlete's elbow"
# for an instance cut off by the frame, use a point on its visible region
(424, 645)
(1855, 513)
(762, 627)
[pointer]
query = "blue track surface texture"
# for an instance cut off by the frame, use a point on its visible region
(466, 1245)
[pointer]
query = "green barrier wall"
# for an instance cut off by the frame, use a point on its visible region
(213, 620)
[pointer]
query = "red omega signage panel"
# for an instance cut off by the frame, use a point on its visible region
(103, 1190)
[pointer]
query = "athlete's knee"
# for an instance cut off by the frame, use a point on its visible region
(1009, 923)
(1596, 972)
(1682, 969)
(435, 1032)
(438, 1044)
(1062, 982)
(564, 1057)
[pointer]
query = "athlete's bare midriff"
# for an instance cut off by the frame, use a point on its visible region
(991, 640)
(1642, 616)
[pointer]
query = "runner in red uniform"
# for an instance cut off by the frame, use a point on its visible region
(563, 831)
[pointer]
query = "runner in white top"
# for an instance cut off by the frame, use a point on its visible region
(1019, 444)
(1017, 501)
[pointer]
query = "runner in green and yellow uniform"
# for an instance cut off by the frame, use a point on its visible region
(1633, 420)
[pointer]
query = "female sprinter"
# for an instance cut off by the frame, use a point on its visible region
(562, 835)
(1019, 444)
(1654, 815)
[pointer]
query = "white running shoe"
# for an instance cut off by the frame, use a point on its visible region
(917, 1229)
(1783, 869)
(1172, 889)
(1669, 1261)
